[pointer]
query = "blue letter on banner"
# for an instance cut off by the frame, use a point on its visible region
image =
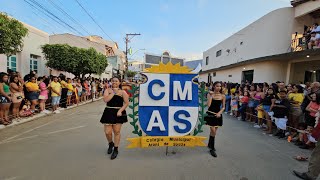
(161, 84)
(183, 121)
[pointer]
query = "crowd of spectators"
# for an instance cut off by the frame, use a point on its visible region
(312, 36)
(287, 111)
(25, 96)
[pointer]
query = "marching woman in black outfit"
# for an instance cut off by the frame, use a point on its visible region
(114, 114)
(216, 103)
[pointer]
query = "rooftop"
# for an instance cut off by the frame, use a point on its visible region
(295, 3)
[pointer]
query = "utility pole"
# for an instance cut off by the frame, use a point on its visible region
(128, 38)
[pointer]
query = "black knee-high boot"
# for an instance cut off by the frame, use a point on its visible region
(210, 142)
(212, 149)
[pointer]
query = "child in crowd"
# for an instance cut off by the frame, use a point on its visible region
(244, 100)
(70, 91)
(234, 103)
(26, 109)
(280, 108)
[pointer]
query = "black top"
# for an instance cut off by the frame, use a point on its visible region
(215, 105)
(116, 101)
(281, 112)
(267, 100)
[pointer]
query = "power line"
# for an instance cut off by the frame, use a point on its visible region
(94, 20)
(53, 15)
(37, 8)
(72, 38)
(70, 17)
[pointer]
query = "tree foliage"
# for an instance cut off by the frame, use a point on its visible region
(131, 73)
(11, 35)
(77, 61)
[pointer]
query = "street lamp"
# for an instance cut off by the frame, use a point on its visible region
(136, 52)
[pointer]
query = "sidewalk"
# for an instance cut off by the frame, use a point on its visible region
(39, 115)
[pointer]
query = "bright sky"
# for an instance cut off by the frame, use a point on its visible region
(185, 28)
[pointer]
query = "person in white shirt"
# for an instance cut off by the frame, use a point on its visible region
(315, 36)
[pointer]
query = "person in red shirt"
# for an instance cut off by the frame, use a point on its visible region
(244, 104)
(313, 108)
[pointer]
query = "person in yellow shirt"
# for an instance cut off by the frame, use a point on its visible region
(33, 92)
(55, 94)
(295, 98)
(70, 91)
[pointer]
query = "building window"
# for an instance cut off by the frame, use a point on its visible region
(214, 74)
(230, 76)
(218, 53)
(207, 60)
(12, 63)
(34, 63)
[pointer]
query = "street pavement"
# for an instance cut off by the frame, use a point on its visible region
(72, 145)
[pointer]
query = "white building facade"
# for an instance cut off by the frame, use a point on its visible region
(136, 66)
(263, 51)
(31, 56)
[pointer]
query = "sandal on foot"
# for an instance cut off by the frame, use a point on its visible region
(300, 158)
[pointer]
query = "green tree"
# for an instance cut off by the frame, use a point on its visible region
(77, 61)
(131, 73)
(11, 35)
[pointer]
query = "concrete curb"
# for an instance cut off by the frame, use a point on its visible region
(37, 116)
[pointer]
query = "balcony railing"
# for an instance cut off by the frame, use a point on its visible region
(298, 43)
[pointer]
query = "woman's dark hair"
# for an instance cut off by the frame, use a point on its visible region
(272, 91)
(300, 88)
(12, 79)
(260, 86)
(214, 85)
(248, 95)
(254, 87)
(40, 78)
(274, 87)
(1, 77)
(63, 77)
(317, 98)
(229, 89)
(46, 81)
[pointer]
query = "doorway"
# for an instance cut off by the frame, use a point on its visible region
(247, 76)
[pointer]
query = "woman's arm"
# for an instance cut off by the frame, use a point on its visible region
(209, 99)
(223, 106)
(308, 107)
(14, 86)
(125, 103)
(108, 95)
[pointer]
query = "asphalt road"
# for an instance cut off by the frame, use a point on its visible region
(72, 145)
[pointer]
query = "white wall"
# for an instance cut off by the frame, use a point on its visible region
(267, 71)
(269, 35)
(32, 45)
(307, 7)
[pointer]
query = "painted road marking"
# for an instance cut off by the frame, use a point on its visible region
(34, 136)
(30, 130)
(69, 129)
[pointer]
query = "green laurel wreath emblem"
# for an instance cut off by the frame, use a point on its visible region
(134, 109)
(202, 105)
